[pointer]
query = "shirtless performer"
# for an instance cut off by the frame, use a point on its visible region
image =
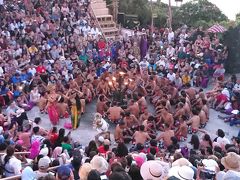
(114, 112)
(205, 108)
(166, 118)
(166, 136)
(180, 111)
(191, 92)
(145, 115)
(119, 134)
(203, 118)
(194, 122)
(101, 105)
(181, 132)
(141, 136)
(133, 108)
(131, 121)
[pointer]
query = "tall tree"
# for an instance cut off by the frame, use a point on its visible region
(194, 11)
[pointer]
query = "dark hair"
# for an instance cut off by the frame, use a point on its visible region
(153, 142)
(153, 150)
(94, 175)
(65, 139)
(134, 173)
(121, 150)
(9, 152)
(119, 176)
(61, 132)
(220, 133)
(37, 120)
(142, 127)
(92, 146)
(54, 129)
(35, 129)
(207, 138)
(195, 141)
(101, 97)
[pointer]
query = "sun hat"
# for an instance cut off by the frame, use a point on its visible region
(154, 170)
(99, 163)
(181, 162)
(101, 139)
(84, 170)
(44, 162)
(182, 173)
(63, 172)
(231, 161)
(210, 164)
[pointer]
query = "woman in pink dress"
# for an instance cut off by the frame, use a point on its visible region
(51, 106)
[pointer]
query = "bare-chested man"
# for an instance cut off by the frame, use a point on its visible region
(203, 118)
(130, 120)
(118, 134)
(145, 115)
(181, 132)
(133, 108)
(194, 122)
(166, 136)
(166, 118)
(180, 111)
(205, 108)
(101, 105)
(191, 92)
(141, 136)
(114, 112)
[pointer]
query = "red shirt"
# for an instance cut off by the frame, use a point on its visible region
(53, 137)
(41, 69)
(102, 150)
(101, 45)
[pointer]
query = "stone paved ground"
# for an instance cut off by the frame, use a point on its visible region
(85, 132)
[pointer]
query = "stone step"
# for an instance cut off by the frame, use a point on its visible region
(107, 24)
(100, 12)
(100, 5)
(104, 18)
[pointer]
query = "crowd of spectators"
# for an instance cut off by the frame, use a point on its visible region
(53, 56)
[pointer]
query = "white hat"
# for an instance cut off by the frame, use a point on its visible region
(181, 162)
(210, 164)
(101, 139)
(153, 170)
(182, 173)
(235, 111)
(44, 151)
(100, 164)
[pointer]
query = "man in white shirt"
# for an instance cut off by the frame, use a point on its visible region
(170, 35)
(171, 75)
(161, 62)
(170, 51)
(144, 64)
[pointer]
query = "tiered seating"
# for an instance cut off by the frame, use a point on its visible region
(108, 26)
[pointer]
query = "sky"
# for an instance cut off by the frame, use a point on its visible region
(229, 7)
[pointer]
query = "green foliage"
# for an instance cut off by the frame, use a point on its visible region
(138, 7)
(197, 11)
(231, 40)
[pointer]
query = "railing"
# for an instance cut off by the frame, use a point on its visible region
(96, 20)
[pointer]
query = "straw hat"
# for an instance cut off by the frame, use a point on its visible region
(154, 170)
(99, 163)
(231, 161)
(84, 171)
(182, 173)
(181, 162)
